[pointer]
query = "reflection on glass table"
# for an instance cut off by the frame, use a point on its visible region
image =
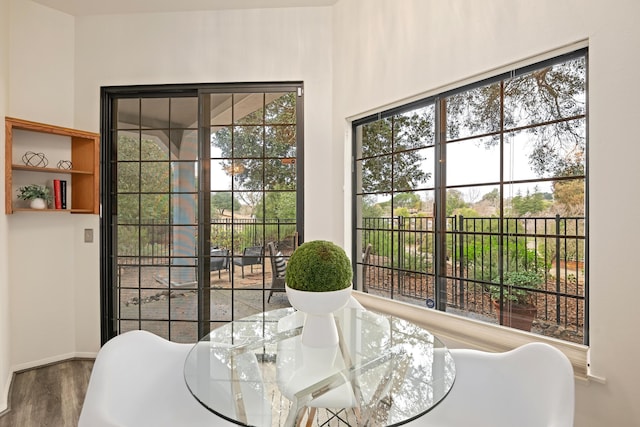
(255, 371)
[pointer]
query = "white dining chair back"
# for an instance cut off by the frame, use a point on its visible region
(530, 386)
(137, 381)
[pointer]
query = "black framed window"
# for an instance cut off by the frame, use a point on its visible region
(474, 201)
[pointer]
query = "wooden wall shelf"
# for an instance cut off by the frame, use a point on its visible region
(80, 146)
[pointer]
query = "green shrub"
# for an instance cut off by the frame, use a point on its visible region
(528, 279)
(319, 266)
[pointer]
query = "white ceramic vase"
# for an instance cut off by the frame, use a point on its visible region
(38, 204)
(319, 328)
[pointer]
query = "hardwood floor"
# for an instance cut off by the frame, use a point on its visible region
(48, 396)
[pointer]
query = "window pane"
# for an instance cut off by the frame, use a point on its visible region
(484, 199)
(247, 303)
(154, 177)
(127, 113)
(280, 141)
(247, 174)
(473, 112)
(374, 206)
(414, 129)
(128, 145)
(221, 174)
(154, 305)
(221, 302)
(128, 240)
(221, 109)
(569, 197)
(184, 177)
(128, 177)
(154, 207)
(184, 113)
(248, 108)
(184, 208)
(555, 150)
(280, 108)
(280, 174)
(220, 142)
(547, 94)
(154, 113)
(376, 138)
(224, 204)
(154, 145)
(247, 141)
(527, 199)
(376, 174)
(280, 205)
(184, 332)
(413, 169)
(128, 208)
(182, 274)
(473, 161)
(184, 144)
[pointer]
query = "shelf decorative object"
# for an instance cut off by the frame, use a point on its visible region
(64, 164)
(39, 196)
(37, 160)
(318, 282)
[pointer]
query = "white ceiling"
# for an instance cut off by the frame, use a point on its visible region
(116, 7)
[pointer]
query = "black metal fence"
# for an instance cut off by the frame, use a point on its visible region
(153, 243)
(479, 252)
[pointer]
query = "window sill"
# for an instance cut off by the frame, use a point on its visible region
(472, 333)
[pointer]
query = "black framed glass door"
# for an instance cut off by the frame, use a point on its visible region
(197, 180)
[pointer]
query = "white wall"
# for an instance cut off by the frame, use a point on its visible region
(5, 363)
(389, 50)
(48, 268)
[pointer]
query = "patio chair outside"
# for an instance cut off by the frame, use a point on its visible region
(251, 256)
(278, 268)
(220, 261)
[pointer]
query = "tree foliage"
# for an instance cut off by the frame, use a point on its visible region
(555, 95)
(371, 209)
(406, 200)
(455, 201)
(530, 204)
(150, 177)
(391, 145)
(253, 148)
(277, 205)
(569, 197)
(224, 201)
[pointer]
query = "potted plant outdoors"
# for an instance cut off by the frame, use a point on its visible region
(518, 307)
(318, 282)
(38, 195)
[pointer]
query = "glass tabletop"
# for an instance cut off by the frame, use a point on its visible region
(255, 371)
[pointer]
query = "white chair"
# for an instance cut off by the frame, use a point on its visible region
(530, 386)
(137, 381)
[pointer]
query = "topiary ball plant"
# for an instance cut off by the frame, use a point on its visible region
(319, 266)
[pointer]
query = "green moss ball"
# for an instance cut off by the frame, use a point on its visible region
(319, 266)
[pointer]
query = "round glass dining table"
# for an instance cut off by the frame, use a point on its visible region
(255, 371)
